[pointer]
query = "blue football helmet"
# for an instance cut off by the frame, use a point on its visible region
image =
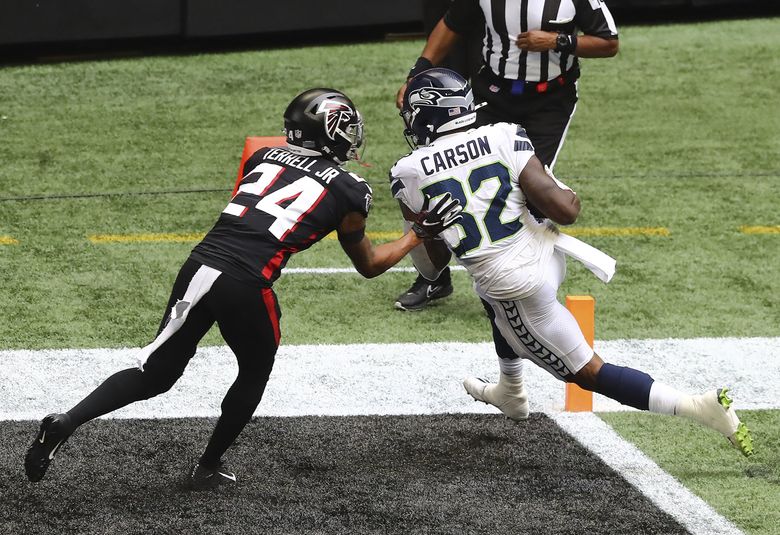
(436, 102)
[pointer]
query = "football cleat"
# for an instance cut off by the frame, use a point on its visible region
(421, 293)
(713, 409)
(54, 431)
(202, 478)
(508, 397)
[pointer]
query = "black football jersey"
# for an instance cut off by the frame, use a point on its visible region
(284, 204)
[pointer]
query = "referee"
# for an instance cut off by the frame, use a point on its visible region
(528, 74)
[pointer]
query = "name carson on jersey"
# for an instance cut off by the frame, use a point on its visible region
(457, 155)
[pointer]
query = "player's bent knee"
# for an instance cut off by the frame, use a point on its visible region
(587, 376)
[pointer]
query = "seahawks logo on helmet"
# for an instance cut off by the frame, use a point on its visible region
(335, 112)
(425, 96)
(442, 97)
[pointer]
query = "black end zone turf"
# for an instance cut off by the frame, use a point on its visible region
(370, 474)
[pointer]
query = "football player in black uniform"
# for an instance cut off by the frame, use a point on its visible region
(288, 199)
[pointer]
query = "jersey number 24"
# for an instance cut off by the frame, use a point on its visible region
(304, 193)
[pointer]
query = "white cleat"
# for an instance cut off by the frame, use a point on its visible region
(713, 409)
(508, 396)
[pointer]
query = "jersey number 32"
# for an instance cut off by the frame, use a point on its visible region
(474, 209)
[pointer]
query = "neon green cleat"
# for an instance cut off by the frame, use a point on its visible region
(740, 438)
(713, 409)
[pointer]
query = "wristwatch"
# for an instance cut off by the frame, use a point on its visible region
(564, 42)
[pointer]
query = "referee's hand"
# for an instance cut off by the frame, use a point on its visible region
(536, 41)
(399, 97)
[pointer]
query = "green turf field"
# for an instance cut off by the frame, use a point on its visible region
(681, 131)
(746, 491)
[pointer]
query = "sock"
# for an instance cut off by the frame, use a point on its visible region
(664, 399)
(511, 367)
(120, 389)
(444, 277)
(626, 385)
(238, 406)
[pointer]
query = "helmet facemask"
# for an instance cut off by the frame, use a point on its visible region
(354, 133)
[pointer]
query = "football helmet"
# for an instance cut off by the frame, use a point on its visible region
(323, 122)
(436, 102)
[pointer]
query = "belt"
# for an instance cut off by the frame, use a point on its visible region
(520, 87)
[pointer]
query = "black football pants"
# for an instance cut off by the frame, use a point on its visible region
(545, 116)
(248, 319)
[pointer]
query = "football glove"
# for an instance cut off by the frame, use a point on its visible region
(430, 223)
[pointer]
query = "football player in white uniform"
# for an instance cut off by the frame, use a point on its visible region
(508, 241)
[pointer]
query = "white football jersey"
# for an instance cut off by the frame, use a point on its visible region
(500, 244)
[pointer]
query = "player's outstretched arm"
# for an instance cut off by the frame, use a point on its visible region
(430, 259)
(371, 261)
(552, 198)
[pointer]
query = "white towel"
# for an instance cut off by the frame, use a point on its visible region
(599, 263)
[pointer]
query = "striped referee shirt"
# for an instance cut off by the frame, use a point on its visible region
(506, 19)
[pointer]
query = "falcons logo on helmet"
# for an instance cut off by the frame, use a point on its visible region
(335, 112)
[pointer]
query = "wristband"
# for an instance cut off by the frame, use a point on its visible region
(566, 43)
(422, 64)
(352, 237)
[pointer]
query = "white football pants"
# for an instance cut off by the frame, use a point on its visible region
(541, 329)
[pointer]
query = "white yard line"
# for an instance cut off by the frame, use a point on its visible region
(663, 490)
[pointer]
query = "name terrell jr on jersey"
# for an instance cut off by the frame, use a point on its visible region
(285, 203)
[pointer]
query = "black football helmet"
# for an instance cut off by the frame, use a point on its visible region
(323, 122)
(436, 102)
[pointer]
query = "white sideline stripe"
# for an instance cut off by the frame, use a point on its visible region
(640, 471)
(380, 378)
(352, 271)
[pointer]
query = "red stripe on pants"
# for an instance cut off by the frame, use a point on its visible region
(270, 305)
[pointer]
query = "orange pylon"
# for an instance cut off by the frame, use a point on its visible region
(252, 145)
(583, 307)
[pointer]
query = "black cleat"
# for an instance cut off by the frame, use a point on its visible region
(202, 478)
(55, 430)
(423, 292)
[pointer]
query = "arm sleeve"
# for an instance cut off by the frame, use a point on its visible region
(522, 149)
(360, 197)
(404, 186)
(461, 16)
(593, 18)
